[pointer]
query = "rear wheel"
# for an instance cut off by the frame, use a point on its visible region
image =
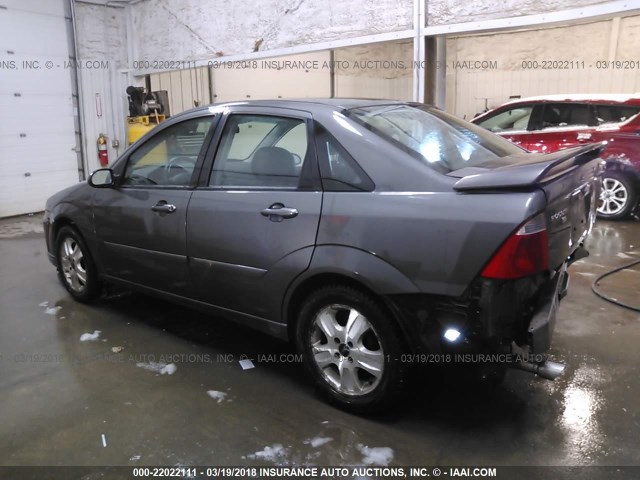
(76, 269)
(618, 196)
(352, 349)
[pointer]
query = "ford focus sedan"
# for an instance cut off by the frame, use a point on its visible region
(368, 233)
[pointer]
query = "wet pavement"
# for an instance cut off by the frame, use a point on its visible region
(62, 399)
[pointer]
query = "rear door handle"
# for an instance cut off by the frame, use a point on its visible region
(277, 212)
(164, 207)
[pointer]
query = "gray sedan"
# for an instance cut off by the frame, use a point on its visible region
(372, 234)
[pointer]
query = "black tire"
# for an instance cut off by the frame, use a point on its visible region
(84, 290)
(626, 191)
(381, 336)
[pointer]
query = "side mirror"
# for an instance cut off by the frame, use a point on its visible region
(102, 178)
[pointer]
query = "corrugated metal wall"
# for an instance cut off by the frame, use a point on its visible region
(568, 59)
(380, 70)
(186, 88)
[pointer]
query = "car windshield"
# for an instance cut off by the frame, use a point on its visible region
(439, 139)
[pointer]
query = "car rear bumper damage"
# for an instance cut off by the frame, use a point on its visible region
(500, 322)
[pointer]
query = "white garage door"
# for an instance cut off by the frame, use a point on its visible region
(37, 133)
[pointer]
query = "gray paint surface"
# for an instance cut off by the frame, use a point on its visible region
(415, 233)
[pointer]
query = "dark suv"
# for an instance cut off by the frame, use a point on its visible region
(553, 122)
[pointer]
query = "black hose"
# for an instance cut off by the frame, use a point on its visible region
(604, 296)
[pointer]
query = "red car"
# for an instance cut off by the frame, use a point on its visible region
(553, 122)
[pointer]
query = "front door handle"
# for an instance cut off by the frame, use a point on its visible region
(277, 212)
(164, 207)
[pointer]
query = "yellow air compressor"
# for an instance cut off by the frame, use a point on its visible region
(146, 110)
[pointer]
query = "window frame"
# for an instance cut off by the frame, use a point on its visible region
(309, 175)
(322, 134)
(526, 130)
(121, 165)
(596, 107)
(540, 111)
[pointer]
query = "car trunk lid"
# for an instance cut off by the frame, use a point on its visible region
(570, 179)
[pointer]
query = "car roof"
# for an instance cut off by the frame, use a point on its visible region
(633, 98)
(307, 104)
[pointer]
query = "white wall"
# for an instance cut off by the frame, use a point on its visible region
(585, 45)
(458, 11)
(262, 82)
(102, 38)
(392, 79)
(185, 30)
(37, 115)
(199, 29)
(184, 88)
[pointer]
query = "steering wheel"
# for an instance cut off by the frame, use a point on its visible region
(297, 159)
(181, 165)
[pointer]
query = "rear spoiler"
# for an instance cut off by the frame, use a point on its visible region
(530, 169)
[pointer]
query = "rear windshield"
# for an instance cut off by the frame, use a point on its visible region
(439, 139)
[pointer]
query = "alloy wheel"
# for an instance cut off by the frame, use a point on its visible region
(613, 197)
(73, 265)
(347, 350)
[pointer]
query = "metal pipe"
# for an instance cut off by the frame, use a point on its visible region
(103, 4)
(78, 90)
(546, 369)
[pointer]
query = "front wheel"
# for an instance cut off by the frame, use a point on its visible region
(76, 269)
(617, 198)
(352, 349)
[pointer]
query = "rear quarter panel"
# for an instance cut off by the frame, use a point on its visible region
(440, 241)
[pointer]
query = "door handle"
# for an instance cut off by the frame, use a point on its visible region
(277, 212)
(164, 207)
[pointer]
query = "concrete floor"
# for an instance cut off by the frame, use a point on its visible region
(59, 395)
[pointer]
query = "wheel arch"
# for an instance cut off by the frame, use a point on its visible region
(358, 269)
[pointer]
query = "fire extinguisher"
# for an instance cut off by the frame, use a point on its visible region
(103, 153)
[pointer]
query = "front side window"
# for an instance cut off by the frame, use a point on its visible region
(439, 139)
(168, 158)
(260, 151)
(511, 120)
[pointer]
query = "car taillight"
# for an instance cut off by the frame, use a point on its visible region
(524, 253)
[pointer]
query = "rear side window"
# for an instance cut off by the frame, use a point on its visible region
(511, 120)
(260, 151)
(562, 115)
(339, 171)
(614, 113)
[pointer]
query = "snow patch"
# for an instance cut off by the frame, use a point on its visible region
(158, 367)
(623, 255)
(316, 442)
(246, 364)
(169, 369)
(43, 304)
(90, 337)
(381, 456)
(271, 453)
(216, 395)
(52, 310)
